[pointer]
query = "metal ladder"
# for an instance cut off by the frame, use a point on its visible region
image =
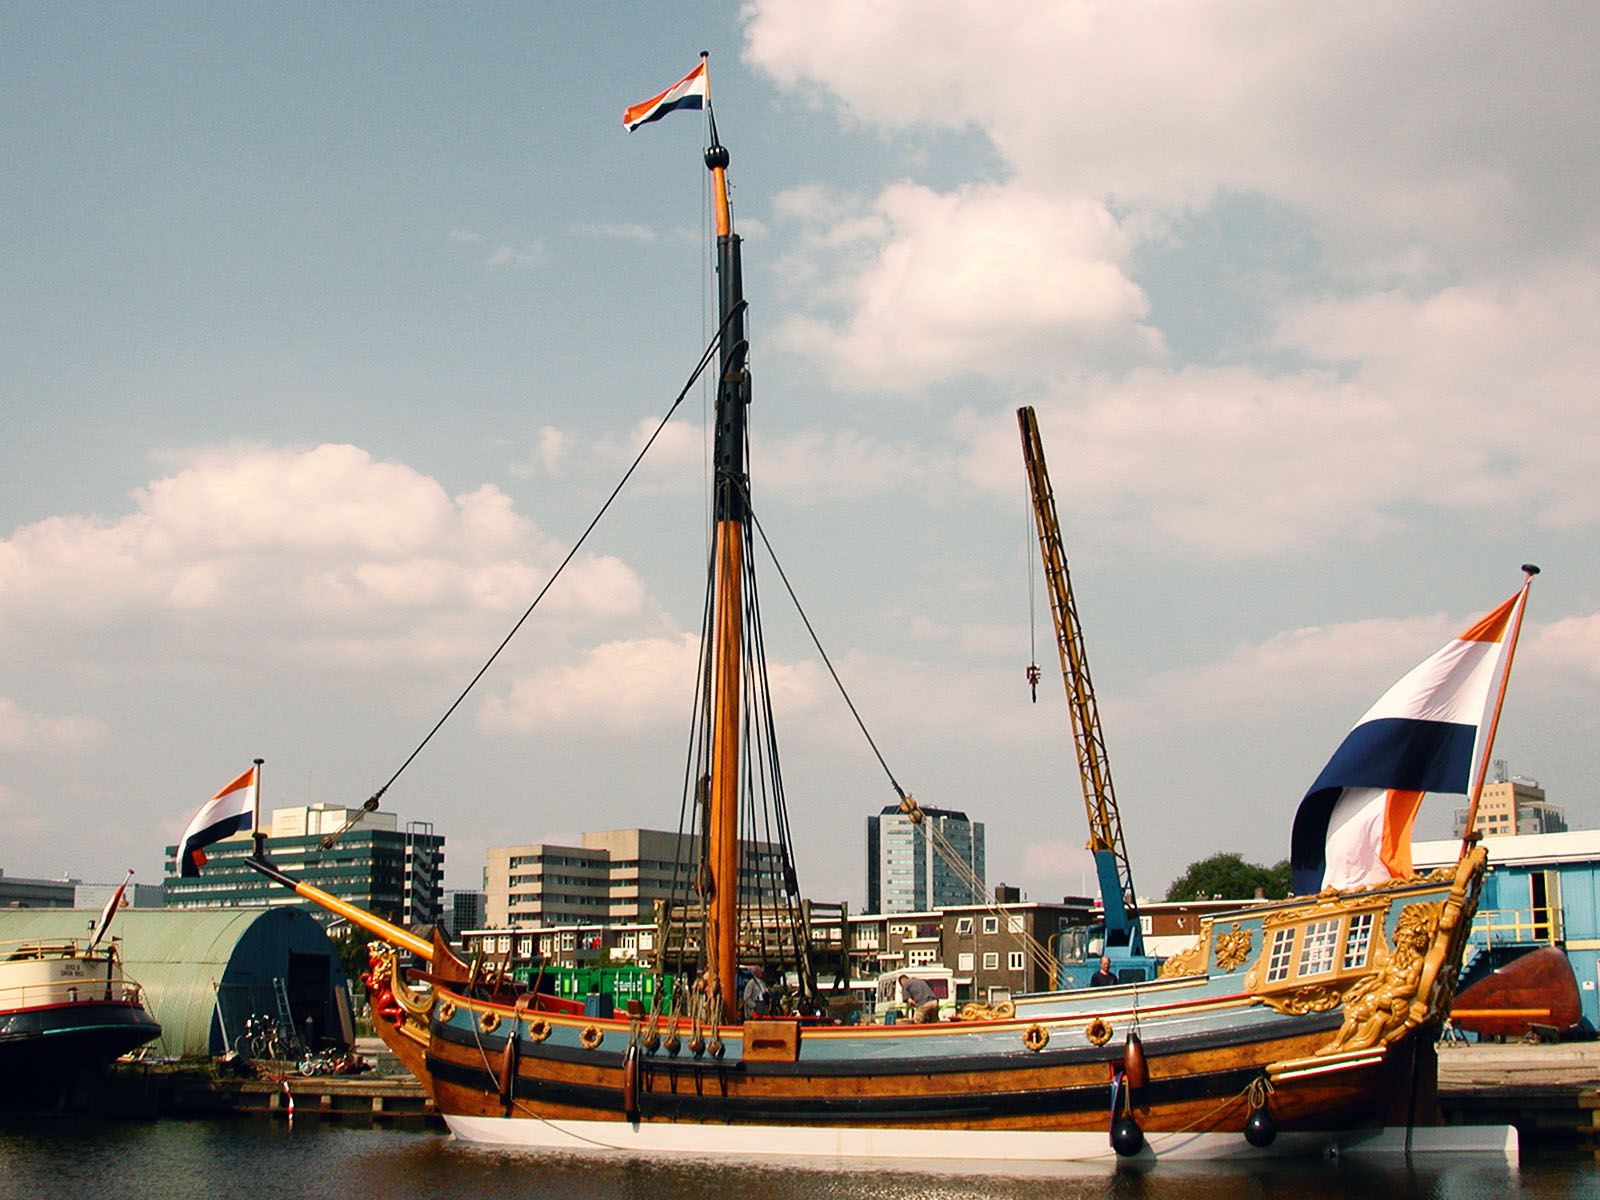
(286, 1024)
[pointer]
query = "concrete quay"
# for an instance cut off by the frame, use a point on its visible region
(1549, 1091)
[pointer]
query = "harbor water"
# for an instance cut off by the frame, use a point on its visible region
(259, 1157)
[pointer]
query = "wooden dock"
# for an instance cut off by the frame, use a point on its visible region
(135, 1091)
(1550, 1092)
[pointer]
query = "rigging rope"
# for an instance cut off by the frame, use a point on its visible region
(908, 804)
(706, 359)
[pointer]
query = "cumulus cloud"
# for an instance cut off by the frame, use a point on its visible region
(995, 280)
(1344, 667)
(21, 730)
(630, 684)
(1474, 401)
(321, 550)
(1459, 125)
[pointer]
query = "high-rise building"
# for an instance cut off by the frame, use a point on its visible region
(610, 878)
(463, 910)
(1513, 806)
(905, 871)
(398, 874)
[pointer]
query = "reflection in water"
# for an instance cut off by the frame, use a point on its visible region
(255, 1158)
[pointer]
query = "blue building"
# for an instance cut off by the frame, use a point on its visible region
(1542, 889)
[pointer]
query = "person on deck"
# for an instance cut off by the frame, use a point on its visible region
(754, 1001)
(1103, 977)
(924, 1004)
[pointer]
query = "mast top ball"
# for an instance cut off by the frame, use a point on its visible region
(717, 156)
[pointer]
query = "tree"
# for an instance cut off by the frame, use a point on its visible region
(351, 944)
(1229, 877)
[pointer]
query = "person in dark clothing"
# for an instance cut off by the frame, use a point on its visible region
(924, 1004)
(1103, 977)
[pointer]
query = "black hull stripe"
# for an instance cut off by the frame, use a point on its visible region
(701, 1099)
(1156, 1051)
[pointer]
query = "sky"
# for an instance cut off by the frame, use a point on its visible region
(325, 331)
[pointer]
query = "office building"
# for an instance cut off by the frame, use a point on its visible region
(17, 892)
(398, 874)
(609, 878)
(907, 873)
(1513, 807)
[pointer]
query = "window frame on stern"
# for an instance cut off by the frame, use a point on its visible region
(1322, 946)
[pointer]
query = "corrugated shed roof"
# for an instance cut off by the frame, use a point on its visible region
(178, 956)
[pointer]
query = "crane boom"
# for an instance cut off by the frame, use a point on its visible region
(1094, 769)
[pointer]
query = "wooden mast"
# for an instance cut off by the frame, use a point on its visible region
(1481, 767)
(730, 506)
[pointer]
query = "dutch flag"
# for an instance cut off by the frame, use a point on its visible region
(692, 91)
(230, 811)
(1430, 732)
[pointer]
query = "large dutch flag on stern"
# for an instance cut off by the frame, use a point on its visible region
(230, 811)
(1430, 732)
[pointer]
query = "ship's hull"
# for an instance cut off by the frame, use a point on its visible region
(1533, 995)
(46, 1052)
(918, 1100)
(1237, 1040)
(66, 1011)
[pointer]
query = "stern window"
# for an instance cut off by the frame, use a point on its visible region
(1316, 949)
(1358, 942)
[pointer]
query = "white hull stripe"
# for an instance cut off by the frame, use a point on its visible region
(970, 1151)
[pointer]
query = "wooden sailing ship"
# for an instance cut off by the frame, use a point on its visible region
(1287, 1026)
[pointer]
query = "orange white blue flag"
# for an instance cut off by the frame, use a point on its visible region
(103, 925)
(691, 91)
(230, 811)
(1428, 733)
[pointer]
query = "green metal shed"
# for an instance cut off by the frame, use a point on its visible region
(204, 971)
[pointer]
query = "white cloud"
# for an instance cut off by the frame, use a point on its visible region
(318, 551)
(630, 684)
(990, 280)
(526, 254)
(1343, 667)
(1464, 125)
(21, 730)
(1473, 401)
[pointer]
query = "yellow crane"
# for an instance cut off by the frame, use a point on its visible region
(1123, 933)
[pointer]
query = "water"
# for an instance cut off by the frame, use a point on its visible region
(260, 1158)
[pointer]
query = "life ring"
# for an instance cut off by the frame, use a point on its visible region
(1098, 1032)
(1036, 1038)
(446, 1010)
(538, 1029)
(489, 1022)
(590, 1037)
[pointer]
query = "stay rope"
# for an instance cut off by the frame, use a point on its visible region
(706, 359)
